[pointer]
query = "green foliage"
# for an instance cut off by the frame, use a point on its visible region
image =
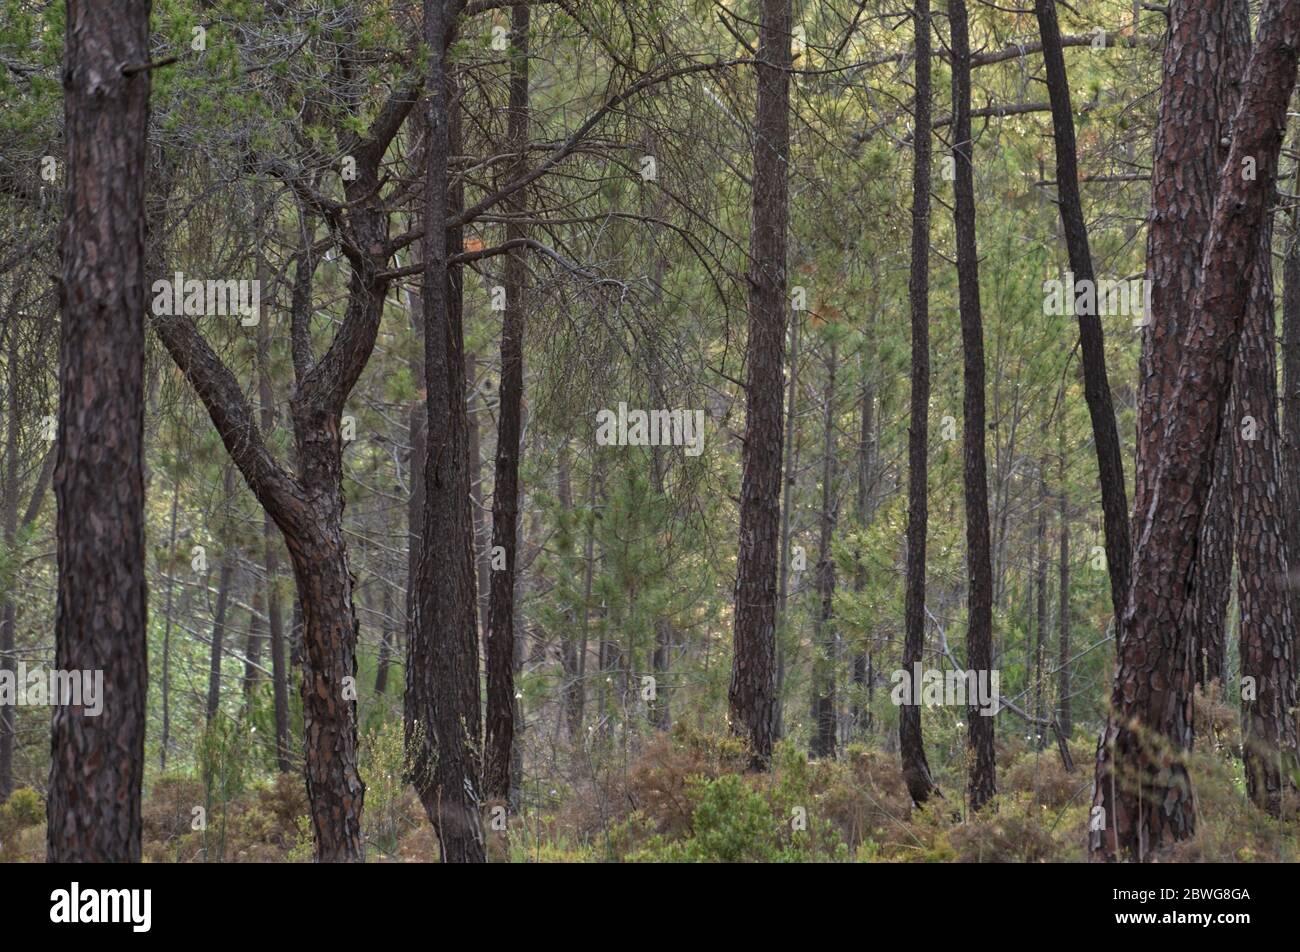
(384, 770)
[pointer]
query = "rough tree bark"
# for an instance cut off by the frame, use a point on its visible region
(1142, 795)
(270, 554)
(96, 763)
(979, 604)
(224, 580)
(501, 634)
(1096, 384)
(1291, 390)
(860, 719)
(752, 692)
(916, 771)
(791, 464)
(1267, 628)
(442, 671)
(1211, 593)
(1040, 602)
(1064, 715)
(9, 521)
(824, 653)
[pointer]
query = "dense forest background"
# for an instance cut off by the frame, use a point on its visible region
(376, 510)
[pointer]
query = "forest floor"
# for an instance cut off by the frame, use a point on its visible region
(686, 798)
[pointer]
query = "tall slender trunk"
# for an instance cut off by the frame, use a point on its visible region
(752, 693)
(386, 642)
(1208, 611)
(253, 645)
(979, 602)
(505, 487)
(1040, 586)
(1267, 629)
(270, 554)
(862, 662)
(824, 656)
(224, 578)
(9, 521)
(1291, 391)
(1096, 385)
(165, 742)
(588, 582)
(1142, 794)
(571, 691)
(1064, 714)
(911, 742)
(279, 669)
(96, 763)
(787, 492)
(442, 689)
(417, 433)
(476, 406)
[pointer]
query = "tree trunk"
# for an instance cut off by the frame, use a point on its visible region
(1096, 384)
(219, 626)
(386, 644)
(253, 645)
(979, 632)
(93, 801)
(1207, 611)
(329, 667)
(1267, 633)
(861, 712)
(1064, 715)
(787, 491)
(9, 520)
(442, 688)
(824, 659)
(1040, 606)
(165, 742)
(270, 556)
(916, 770)
(1142, 796)
(225, 578)
(505, 487)
(1291, 392)
(752, 694)
(279, 670)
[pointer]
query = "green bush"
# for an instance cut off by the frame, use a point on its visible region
(21, 810)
